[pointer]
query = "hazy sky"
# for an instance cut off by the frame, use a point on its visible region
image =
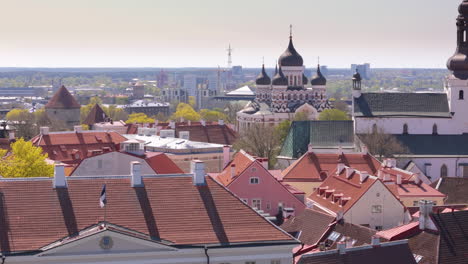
(190, 33)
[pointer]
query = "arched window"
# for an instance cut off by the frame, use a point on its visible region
(443, 171)
(461, 95)
(405, 129)
(434, 129)
(295, 80)
(374, 128)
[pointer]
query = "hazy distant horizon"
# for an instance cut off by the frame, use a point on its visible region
(192, 34)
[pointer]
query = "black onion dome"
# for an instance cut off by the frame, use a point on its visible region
(463, 8)
(263, 78)
(290, 56)
(279, 78)
(318, 78)
(357, 76)
(304, 79)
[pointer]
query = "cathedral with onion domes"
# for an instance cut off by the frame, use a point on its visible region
(289, 92)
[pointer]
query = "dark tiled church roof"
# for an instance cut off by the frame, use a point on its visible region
(96, 115)
(63, 99)
(401, 104)
(317, 133)
(435, 144)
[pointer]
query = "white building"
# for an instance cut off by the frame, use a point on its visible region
(433, 126)
(280, 98)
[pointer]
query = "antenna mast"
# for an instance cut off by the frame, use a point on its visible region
(229, 62)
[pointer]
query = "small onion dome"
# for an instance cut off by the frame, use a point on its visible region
(290, 56)
(463, 8)
(318, 78)
(357, 76)
(262, 78)
(304, 79)
(279, 78)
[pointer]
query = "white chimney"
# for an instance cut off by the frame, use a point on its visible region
(380, 174)
(59, 176)
(386, 177)
(44, 131)
(197, 168)
(172, 124)
(184, 135)
(364, 149)
(78, 129)
(349, 242)
(375, 241)
(390, 163)
(233, 170)
(398, 179)
(417, 180)
(309, 148)
(11, 135)
(364, 175)
(425, 221)
(341, 246)
(339, 168)
(226, 155)
(156, 122)
(189, 122)
(203, 122)
(221, 122)
(349, 171)
(137, 180)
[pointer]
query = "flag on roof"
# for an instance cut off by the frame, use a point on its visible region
(102, 199)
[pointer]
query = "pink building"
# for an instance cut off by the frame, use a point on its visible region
(248, 178)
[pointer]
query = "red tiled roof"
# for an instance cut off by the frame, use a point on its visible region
(241, 161)
(33, 214)
(161, 163)
(411, 189)
(339, 187)
(62, 99)
(400, 232)
(96, 115)
(317, 166)
(211, 132)
(72, 147)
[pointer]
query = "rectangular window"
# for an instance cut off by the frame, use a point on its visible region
(250, 262)
(268, 205)
(254, 180)
(376, 209)
(257, 203)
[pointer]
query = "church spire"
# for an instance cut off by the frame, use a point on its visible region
(458, 63)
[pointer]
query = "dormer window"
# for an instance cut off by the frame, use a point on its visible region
(405, 129)
(254, 180)
(461, 95)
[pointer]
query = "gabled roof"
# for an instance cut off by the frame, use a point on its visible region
(402, 104)
(456, 189)
(62, 99)
(240, 162)
(347, 190)
(169, 208)
(320, 134)
(161, 163)
(385, 253)
(71, 147)
(453, 241)
(316, 166)
(96, 115)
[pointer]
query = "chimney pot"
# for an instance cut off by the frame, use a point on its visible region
(137, 180)
(398, 179)
(341, 246)
(375, 241)
(233, 170)
(197, 168)
(11, 135)
(78, 129)
(203, 122)
(59, 176)
(221, 122)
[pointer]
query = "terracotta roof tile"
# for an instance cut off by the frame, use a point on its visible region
(62, 99)
(312, 224)
(161, 163)
(33, 214)
(240, 162)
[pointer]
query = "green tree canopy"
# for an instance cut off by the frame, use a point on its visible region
(212, 115)
(186, 112)
(25, 160)
(333, 114)
(139, 118)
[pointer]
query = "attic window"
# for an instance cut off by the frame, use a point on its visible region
(334, 236)
(254, 180)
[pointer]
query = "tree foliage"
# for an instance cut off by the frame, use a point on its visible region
(139, 118)
(27, 124)
(282, 130)
(186, 112)
(382, 145)
(25, 160)
(212, 115)
(333, 114)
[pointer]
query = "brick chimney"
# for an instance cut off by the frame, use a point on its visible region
(226, 155)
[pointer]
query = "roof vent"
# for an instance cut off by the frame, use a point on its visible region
(341, 246)
(78, 129)
(172, 124)
(203, 122)
(364, 175)
(221, 122)
(167, 133)
(349, 172)
(375, 241)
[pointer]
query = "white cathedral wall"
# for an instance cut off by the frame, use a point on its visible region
(431, 166)
(416, 125)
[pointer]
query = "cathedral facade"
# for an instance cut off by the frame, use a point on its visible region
(286, 94)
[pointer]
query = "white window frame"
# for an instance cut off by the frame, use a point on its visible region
(375, 207)
(254, 200)
(252, 180)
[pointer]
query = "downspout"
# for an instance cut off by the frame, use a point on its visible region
(206, 254)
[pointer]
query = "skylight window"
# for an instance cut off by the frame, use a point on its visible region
(417, 257)
(334, 236)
